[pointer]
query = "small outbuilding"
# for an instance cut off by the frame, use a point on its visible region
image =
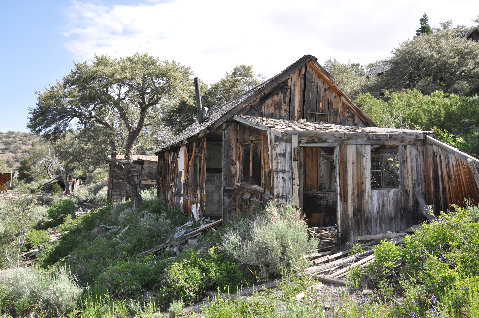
(299, 138)
(144, 169)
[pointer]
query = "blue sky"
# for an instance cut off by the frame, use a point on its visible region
(42, 38)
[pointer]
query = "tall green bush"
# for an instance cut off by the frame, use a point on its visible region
(190, 276)
(439, 266)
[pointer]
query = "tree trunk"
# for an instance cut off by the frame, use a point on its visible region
(68, 181)
(131, 185)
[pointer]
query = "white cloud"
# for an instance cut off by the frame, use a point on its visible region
(212, 36)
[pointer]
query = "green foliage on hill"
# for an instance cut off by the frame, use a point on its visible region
(13, 146)
(441, 61)
(453, 118)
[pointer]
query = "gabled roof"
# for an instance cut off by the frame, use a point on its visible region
(218, 115)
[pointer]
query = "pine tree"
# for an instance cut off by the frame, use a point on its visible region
(425, 28)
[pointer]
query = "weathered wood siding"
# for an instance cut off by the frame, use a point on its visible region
(372, 211)
(282, 169)
(184, 187)
(239, 195)
(452, 177)
(168, 176)
(306, 94)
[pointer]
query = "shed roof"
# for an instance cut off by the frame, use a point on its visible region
(218, 115)
(302, 126)
(139, 157)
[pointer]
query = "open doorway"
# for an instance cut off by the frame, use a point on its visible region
(214, 176)
(320, 190)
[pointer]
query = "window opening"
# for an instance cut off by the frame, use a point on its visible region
(251, 162)
(384, 168)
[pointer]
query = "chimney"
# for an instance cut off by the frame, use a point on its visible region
(199, 108)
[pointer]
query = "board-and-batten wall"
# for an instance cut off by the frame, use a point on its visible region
(363, 210)
(306, 94)
(452, 177)
(367, 211)
(237, 195)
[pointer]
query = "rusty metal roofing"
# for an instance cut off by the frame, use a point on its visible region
(283, 125)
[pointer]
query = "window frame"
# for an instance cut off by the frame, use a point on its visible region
(252, 179)
(381, 152)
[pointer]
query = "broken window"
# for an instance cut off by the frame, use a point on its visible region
(251, 162)
(384, 168)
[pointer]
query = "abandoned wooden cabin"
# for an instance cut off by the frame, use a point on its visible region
(144, 170)
(299, 138)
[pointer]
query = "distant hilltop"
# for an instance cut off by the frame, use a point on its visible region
(13, 146)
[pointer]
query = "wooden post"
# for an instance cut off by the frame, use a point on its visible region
(337, 162)
(294, 163)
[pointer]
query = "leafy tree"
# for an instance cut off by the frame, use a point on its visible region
(121, 98)
(16, 219)
(350, 77)
(453, 118)
(240, 80)
(424, 28)
(440, 61)
(34, 165)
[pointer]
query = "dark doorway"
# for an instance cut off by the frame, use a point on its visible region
(320, 196)
(214, 176)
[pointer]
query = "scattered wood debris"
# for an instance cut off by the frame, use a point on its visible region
(184, 235)
(332, 267)
(327, 236)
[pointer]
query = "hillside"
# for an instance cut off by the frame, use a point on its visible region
(13, 146)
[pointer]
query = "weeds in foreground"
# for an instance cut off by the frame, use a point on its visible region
(25, 291)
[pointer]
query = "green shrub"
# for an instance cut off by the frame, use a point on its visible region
(37, 237)
(195, 272)
(58, 211)
(388, 255)
(439, 273)
(130, 278)
(56, 189)
(28, 290)
(252, 307)
(176, 307)
(91, 193)
(272, 241)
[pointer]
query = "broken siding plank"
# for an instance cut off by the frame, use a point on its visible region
(301, 165)
(405, 181)
(366, 177)
(357, 199)
(202, 179)
(350, 188)
(297, 94)
(445, 179)
(295, 170)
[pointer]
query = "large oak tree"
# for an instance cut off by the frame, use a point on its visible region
(119, 99)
